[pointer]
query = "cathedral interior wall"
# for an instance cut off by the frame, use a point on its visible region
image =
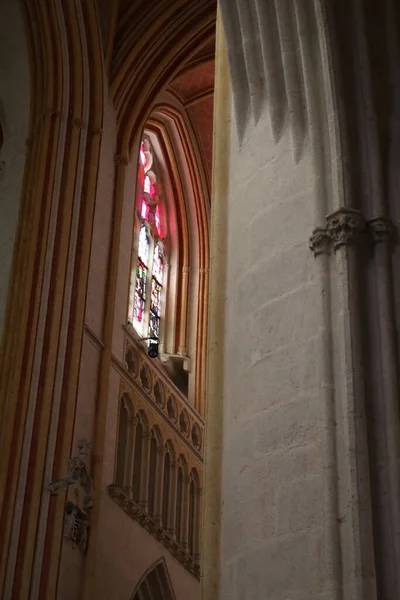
(273, 512)
(126, 550)
(102, 227)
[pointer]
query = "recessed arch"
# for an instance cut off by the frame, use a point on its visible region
(155, 583)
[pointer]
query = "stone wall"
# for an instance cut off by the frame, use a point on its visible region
(310, 409)
(273, 510)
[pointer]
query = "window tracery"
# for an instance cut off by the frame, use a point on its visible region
(148, 293)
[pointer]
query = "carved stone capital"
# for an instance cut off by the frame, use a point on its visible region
(344, 225)
(382, 229)
(319, 242)
(84, 447)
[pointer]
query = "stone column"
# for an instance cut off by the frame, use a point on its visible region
(144, 475)
(197, 525)
(172, 499)
(211, 555)
(159, 486)
(185, 512)
(344, 227)
(130, 454)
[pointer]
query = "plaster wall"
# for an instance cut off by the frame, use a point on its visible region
(273, 485)
(14, 119)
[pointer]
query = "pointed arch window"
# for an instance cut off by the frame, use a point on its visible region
(147, 292)
(156, 292)
(142, 273)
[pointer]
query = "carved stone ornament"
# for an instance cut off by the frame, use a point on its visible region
(319, 242)
(344, 225)
(76, 524)
(131, 361)
(76, 520)
(77, 472)
(184, 423)
(159, 393)
(84, 447)
(382, 229)
(196, 436)
(145, 377)
(172, 409)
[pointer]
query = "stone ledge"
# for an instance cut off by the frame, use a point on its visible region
(135, 512)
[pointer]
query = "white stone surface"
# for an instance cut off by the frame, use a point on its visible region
(273, 509)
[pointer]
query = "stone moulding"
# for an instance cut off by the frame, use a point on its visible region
(136, 512)
(319, 242)
(344, 225)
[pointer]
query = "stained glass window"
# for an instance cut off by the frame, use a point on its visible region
(157, 220)
(139, 304)
(145, 210)
(156, 292)
(146, 295)
(147, 185)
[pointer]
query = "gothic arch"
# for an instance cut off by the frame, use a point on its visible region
(168, 121)
(155, 584)
(63, 144)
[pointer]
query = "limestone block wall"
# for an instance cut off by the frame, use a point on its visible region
(310, 402)
(273, 509)
(14, 121)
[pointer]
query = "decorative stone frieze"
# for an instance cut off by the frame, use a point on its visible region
(136, 512)
(343, 226)
(319, 242)
(184, 423)
(172, 409)
(148, 374)
(382, 229)
(159, 393)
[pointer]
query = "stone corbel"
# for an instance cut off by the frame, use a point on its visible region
(319, 242)
(343, 226)
(382, 229)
